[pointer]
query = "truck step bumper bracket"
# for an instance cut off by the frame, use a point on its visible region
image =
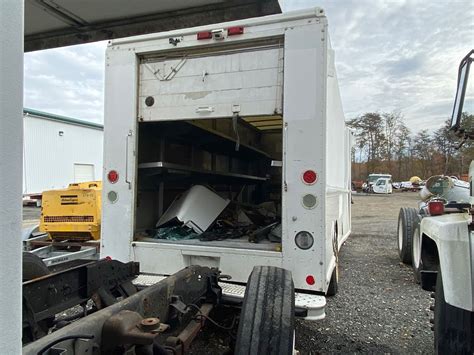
(308, 306)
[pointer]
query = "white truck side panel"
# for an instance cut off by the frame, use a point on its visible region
(337, 168)
(119, 153)
(11, 126)
(304, 148)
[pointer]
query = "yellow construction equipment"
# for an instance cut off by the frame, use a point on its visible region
(73, 213)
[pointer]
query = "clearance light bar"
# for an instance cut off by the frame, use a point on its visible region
(204, 35)
(237, 30)
(219, 34)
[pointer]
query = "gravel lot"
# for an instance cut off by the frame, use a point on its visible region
(379, 309)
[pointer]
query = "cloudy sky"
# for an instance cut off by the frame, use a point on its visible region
(390, 55)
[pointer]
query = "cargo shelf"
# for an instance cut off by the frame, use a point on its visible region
(174, 171)
(215, 140)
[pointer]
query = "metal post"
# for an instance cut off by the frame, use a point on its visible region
(11, 146)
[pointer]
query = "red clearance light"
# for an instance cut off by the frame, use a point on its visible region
(112, 176)
(204, 35)
(108, 258)
(310, 280)
(310, 177)
(436, 208)
(232, 31)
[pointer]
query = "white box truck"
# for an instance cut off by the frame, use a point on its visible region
(249, 110)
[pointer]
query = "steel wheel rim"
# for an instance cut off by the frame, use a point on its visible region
(400, 234)
(416, 248)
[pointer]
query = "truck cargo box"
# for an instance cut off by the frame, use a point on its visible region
(226, 146)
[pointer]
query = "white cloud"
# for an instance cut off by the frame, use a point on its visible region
(398, 55)
(67, 81)
(390, 55)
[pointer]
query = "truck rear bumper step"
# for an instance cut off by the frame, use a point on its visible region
(315, 305)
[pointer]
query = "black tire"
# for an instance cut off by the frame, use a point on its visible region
(33, 267)
(267, 319)
(407, 221)
(333, 283)
(453, 326)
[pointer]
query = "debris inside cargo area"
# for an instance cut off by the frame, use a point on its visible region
(186, 219)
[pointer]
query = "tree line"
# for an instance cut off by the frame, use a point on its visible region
(385, 144)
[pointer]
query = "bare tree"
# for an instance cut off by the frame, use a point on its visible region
(370, 137)
(403, 149)
(391, 123)
(385, 142)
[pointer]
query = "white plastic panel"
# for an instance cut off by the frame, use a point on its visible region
(212, 85)
(187, 208)
(167, 259)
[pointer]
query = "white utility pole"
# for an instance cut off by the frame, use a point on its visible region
(11, 148)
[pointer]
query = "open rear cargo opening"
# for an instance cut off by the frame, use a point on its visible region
(239, 159)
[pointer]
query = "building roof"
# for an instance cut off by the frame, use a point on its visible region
(64, 119)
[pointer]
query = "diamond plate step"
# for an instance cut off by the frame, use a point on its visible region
(315, 304)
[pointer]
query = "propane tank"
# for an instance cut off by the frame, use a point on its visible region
(447, 188)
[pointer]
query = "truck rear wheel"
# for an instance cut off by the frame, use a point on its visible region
(33, 267)
(267, 319)
(407, 222)
(333, 283)
(453, 326)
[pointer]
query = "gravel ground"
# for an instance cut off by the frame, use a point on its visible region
(379, 308)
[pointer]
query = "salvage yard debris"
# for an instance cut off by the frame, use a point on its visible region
(186, 219)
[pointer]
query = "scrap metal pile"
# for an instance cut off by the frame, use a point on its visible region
(202, 214)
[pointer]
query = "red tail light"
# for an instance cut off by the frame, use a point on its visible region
(232, 31)
(204, 35)
(310, 280)
(310, 177)
(436, 208)
(112, 176)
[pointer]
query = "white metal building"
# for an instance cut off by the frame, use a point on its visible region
(59, 150)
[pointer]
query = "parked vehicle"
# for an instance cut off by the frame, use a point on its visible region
(357, 185)
(372, 179)
(437, 240)
(223, 107)
(382, 186)
(218, 153)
